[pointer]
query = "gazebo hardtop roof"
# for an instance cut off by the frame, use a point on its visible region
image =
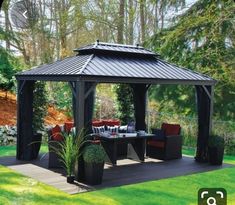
(102, 62)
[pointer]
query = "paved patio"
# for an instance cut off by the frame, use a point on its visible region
(126, 172)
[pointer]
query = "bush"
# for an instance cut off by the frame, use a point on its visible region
(230, 147)
(94, 154)
(39, 106)
(8, 135)
(216, 141)
(125, 103)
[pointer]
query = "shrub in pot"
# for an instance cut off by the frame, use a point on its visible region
(94, 156)
(216, 149)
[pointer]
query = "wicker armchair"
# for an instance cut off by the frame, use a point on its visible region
(167, 144)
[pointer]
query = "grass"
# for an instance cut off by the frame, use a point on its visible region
(11, 150)
(18, 189)
(230, 159)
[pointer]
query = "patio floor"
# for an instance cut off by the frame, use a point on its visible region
(126, 172)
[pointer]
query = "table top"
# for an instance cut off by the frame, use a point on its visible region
(123, 136)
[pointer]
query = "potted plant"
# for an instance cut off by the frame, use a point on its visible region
(216, 149)
(94, 156)
(69, 150)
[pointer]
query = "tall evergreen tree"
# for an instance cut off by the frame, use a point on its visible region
(203, 40)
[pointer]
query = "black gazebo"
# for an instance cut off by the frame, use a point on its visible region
(111, 63)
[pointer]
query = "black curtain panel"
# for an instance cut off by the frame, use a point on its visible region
(25, 135)
(139, 96)
(203, 107)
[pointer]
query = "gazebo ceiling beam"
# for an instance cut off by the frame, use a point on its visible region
(21, 86)
(73, 88)
(207, 92)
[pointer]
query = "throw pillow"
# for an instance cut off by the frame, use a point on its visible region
(159, 134)
(98, 129)
(56, 133)
(112, 129)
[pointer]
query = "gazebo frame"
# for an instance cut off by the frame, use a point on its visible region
(108, 63)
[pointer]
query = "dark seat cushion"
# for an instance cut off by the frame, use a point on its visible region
(171, 129)
(159, 134)
(155, 143)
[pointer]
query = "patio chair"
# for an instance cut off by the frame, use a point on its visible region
(167, 143)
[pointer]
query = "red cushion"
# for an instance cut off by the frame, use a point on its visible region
(156, 143)
(68, 126)
(97, 123)
(112, 122)
(171, 129)
(95, 141)
(56, 133)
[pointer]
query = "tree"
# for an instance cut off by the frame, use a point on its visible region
(203, 40)
(125, 103)
(7, 70)
(39, 106)
(120, 25)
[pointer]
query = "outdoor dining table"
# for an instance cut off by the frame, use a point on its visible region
(136, 145)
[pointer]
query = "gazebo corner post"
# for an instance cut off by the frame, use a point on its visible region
(79, 123)
(205, 112)
(211, 110)
(18, 145)
(24, 150)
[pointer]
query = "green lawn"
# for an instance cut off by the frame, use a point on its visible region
(11, 150)
(18, 189)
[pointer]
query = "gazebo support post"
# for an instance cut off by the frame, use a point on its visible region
(24, 121)
(205, 111)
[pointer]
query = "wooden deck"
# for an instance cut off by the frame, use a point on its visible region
(126, 172)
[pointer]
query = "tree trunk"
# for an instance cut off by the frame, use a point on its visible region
(7, 22)
(142, 19)
(120, 26)
(156, 17)
(131, 23)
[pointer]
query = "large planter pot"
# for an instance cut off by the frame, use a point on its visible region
(216, 155)
(37, 139)
(70, 179)
(94, 173)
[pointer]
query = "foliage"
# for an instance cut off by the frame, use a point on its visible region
(125, 103)
(230, 147)
(105, 104)
(70, 149)
(94, 154)
(216, 141)
(60, 95)
(202, 40)
(7, 70)
(39, 106)
(8, 135)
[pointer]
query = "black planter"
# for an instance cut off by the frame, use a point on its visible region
(216, 155)
(37, 139)
(94, 173)
(70, 179)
